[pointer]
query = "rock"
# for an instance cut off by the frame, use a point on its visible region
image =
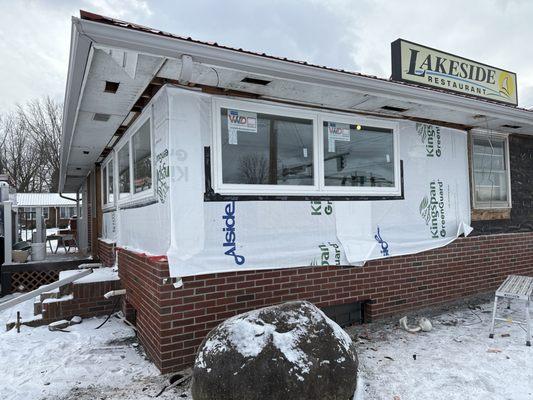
(58, 325)
(75, 320)
(290, 351)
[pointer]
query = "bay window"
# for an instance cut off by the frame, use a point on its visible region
(262, 149)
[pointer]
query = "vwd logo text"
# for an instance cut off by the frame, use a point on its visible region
(430, 136)
(230, 236)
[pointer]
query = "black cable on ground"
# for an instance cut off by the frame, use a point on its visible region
(110, 314)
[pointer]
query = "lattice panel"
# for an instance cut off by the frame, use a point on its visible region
(27, 281)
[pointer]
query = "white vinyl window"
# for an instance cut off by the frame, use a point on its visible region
(267, 149)
(124, 173)
(128, 173)
(490, 171)
(142, 158)
(108, 181)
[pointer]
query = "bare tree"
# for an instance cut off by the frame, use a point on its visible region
(29, 145)
(42, 121)
(254, 168)
(20, 156)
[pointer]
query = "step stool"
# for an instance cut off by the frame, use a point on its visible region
(515, 287)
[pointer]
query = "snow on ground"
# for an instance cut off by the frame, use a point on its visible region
(83, 363)
(456, 360)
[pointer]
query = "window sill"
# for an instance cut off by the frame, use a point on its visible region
(491, 214)
(138, 200)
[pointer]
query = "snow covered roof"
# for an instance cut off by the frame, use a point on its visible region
(44, 200)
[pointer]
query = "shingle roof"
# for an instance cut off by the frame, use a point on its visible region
(44, 200)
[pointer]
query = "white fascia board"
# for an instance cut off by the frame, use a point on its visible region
(80, 46)
(169, 47)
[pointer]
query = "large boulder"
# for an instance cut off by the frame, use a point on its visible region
(290, 351)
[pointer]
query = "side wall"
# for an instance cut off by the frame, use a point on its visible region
(173, 322)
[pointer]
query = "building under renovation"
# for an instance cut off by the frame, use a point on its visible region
(222, 180)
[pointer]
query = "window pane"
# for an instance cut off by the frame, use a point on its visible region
(266, 149)
(104, 185)
(360, 156)
(490, 175)
(110, 198)
(124, 171)
(142, 159)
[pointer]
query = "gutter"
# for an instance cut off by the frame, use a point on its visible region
(80, 56)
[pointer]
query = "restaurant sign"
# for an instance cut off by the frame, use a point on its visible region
(412, 62)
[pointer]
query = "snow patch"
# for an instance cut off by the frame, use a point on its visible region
(98, 275)
(67, 297)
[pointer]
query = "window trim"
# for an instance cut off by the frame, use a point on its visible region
(126, 140)
(104, 181)
(318, 188)
(362, 190)
(476, 205)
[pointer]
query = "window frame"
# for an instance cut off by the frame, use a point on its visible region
(483, 205)
(362, 190)
(318, 117)
(67, 208)
(104, 181)
(127, 140)
(132, 161)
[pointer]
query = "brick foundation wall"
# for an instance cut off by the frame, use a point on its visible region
(106, 252)
(172, 322)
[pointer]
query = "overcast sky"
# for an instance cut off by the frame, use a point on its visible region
(354, 35)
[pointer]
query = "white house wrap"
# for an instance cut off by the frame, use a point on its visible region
(233, 234)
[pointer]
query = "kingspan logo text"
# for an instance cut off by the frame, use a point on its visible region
(430, 136)
(433, 211)
(230, 237)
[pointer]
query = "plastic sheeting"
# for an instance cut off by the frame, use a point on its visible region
(144, 225)
(208, 237)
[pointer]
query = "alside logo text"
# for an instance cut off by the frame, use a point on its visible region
(432, 210)
(384, 245)
(230, 237)
(430, 136)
